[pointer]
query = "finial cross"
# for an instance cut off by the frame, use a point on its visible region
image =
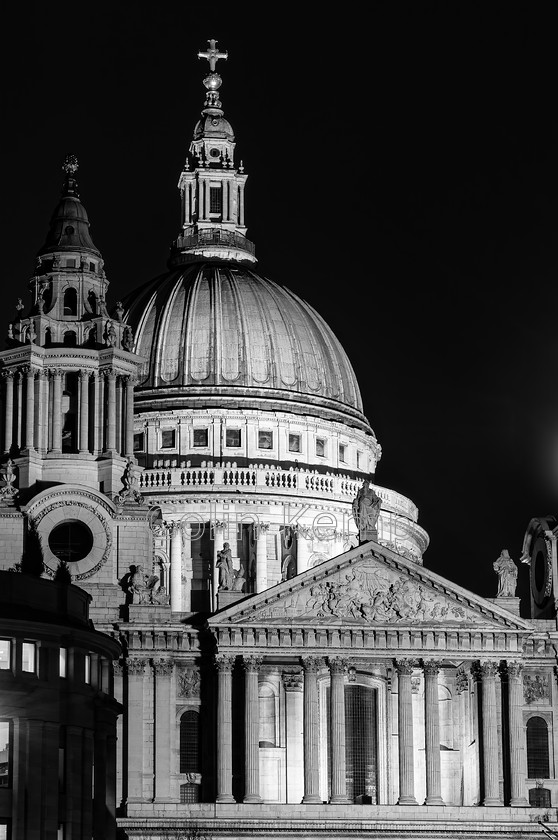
(212, 54)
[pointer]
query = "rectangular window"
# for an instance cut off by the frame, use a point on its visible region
(342, 452)
(87, 669)
(320, 447)
(215, 200)
(232, 437)
(28, 657)
(294, 443)
(5, 654)
(201, 437)
(5, 756)
(63, 663)
(139, 444)
(265, 440)
(168, 439)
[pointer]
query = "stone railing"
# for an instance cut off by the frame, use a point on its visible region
(266, 479)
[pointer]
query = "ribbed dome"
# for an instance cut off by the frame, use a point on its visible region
(220, 327)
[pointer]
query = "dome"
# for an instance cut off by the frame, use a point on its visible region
(221, 330)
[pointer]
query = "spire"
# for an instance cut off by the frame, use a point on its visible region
(69, 225)
(211, 187)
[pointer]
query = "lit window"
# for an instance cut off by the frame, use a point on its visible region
(62, 667)
(232, 437)
(294, 443)
(28, 657)
(5, 757)
(215, 200)
(139, 444)
(201, 437)
(320, 447)
(342, 452)
(5, 654)
(87, 668)
(265, 440)
(168, 439)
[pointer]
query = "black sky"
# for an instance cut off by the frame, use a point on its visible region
(403, 180)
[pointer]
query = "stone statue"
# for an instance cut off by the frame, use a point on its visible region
(110, 333)
(506, 570)
(366, 510)
(127, 338)
(224, 564)
(239, 580)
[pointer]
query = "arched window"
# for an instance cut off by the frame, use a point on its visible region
(268, 736)
(190, 754)
(538, 760)
(70, 302)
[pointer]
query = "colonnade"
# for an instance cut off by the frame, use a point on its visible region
(486, 673)
(33, 410)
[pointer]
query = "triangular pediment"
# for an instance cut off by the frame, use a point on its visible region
(369, 585)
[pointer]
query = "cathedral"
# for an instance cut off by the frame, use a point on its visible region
(273, 655)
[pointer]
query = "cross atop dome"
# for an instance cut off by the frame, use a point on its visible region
(212, 54)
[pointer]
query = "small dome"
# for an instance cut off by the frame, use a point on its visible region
(69, 225)
(221, 329)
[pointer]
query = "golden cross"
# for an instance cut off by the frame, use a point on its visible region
(212, 54)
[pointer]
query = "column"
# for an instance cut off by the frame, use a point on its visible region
(489, 671)
(129, 424)
(176, 567)
(162, 716)
(83, 411)
(30, 409)
(98, 413)
(311, 730)
(134, 711)
(111, 411)
(292, 682)
(337, 668)
(432, 735)
(56, 411)
(303, 537)
(224, 664)
(218, 543)
(8, 410)
(406, 745)
(261, 557)
(252, 665)
(518, 759)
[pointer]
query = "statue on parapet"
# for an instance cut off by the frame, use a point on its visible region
(366, 510)
(506, 570)
(225, 567)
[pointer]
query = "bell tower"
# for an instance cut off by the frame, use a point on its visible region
(69, 369)
(211, 185)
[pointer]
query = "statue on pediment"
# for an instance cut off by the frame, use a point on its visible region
(366, 510)
(506, 570)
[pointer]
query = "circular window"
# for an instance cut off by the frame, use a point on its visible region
(70, 541)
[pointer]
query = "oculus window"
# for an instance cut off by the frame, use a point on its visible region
(70, 541)
(201, 437)
(294, 443)
(232, 437)
(168, 439)
(265, 440)
(320, 447)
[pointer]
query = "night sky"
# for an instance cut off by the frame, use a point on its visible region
(402, 178)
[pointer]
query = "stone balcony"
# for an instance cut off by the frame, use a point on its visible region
(268, 480)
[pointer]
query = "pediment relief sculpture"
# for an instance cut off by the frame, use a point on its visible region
(368, 593)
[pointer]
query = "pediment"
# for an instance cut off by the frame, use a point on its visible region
(369, 585)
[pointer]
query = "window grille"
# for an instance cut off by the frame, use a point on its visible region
(538, 764)
(190, 744)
